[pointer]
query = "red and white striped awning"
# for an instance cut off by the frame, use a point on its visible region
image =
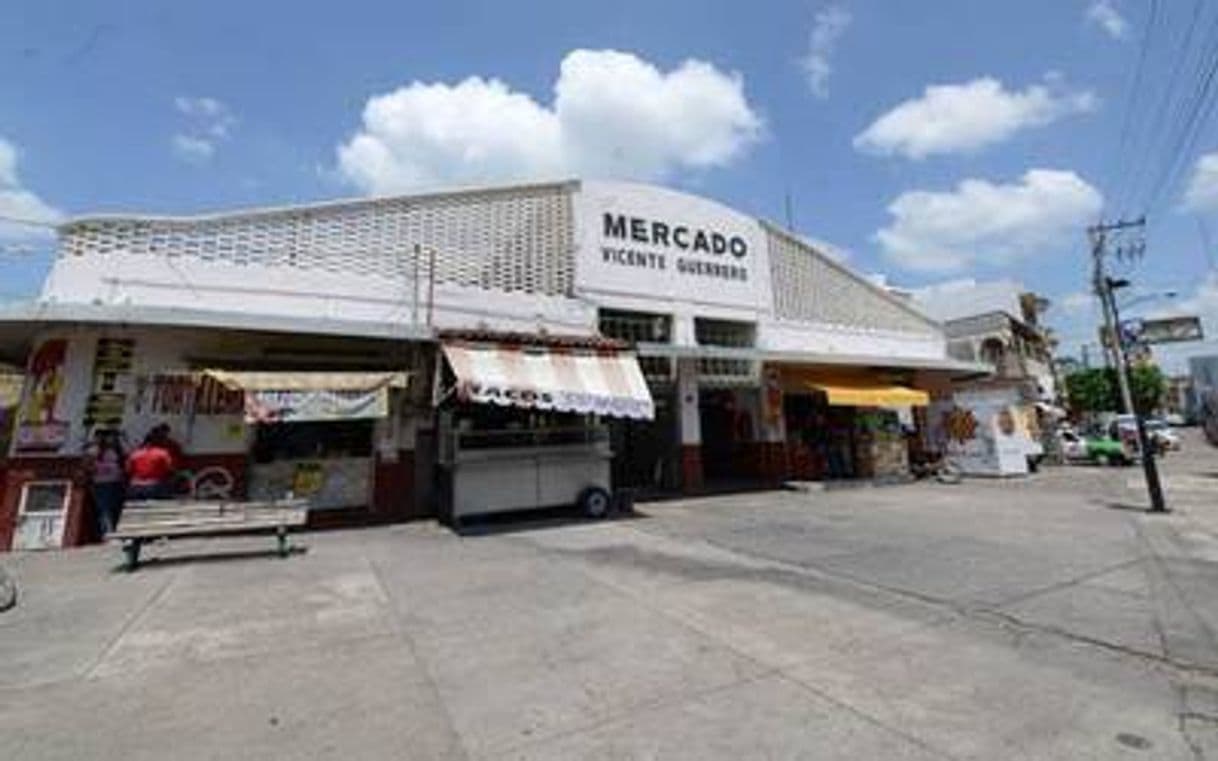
(570, 380)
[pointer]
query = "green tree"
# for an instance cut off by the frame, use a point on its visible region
(1147, 386)
(1092, 390)
(1098, 390)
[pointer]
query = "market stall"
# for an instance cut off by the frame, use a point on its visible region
(313, 432)
(521, 426)
(849, 426)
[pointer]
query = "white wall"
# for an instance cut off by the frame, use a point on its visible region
(295, 292)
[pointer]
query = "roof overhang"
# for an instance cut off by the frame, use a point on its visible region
(946, 364)
(19, 323)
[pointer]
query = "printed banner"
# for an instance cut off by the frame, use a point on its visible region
(300, 406)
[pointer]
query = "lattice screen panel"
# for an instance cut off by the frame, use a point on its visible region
(513, 239)
(808, 287)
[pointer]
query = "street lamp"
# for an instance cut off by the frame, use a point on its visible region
(1149, 466)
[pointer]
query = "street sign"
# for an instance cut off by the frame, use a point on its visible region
(1170, 330)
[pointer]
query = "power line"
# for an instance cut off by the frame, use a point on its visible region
(1196, 112)
(1159, 115)
(1133, 92)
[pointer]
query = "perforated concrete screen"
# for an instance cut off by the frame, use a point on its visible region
(807, 287)
(511, 239)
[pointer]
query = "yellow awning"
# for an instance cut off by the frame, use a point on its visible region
(288, 380)
(844, 394)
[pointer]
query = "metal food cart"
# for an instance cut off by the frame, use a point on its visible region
(520, 426)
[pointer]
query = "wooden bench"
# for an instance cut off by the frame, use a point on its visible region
(145, 521)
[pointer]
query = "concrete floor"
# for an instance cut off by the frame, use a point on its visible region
(1042, 619)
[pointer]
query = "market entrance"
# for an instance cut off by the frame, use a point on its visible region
(729, 425)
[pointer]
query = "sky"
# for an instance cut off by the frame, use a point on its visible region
(929, 140)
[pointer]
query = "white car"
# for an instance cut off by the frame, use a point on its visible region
(1163, 435)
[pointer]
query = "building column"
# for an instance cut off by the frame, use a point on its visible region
(689, 425)
(772, 429)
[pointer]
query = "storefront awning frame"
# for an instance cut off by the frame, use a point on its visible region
(813, 358)
(320, 380)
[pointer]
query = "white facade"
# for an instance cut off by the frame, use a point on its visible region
(534, 258)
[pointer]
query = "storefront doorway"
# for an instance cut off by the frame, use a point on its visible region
(730, 452)
(646, 453)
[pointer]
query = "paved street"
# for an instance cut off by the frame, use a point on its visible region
(1042, 619)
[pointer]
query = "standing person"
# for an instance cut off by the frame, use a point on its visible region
(104, 460)
(149, 469)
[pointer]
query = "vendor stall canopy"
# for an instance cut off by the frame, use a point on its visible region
(568, 380)
(871, 395)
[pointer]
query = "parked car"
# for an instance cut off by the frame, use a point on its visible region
(1125, 428)
(1102, 450)
(1162, 434)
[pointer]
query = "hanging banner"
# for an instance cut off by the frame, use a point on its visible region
(315, 404)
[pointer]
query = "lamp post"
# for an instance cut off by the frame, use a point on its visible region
(1149, 466)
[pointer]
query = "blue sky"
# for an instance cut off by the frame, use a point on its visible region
(160, 107)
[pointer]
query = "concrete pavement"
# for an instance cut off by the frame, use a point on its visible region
(1041, 619)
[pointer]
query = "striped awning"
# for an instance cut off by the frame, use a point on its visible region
(570, 380)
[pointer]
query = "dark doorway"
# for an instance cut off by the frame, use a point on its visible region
(646, 452)
(729, 437)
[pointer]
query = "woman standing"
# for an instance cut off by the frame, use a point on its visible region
(104, 461)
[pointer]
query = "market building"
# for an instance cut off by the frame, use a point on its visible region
(409, 357)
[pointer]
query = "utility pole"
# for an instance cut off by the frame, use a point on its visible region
(1110, 341)
(1105, 287)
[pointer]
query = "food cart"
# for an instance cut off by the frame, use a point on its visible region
(520, 425)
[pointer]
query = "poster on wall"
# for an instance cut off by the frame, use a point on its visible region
(42, 426)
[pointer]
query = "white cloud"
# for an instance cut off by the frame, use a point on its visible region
(613, 115)
(1202, 192)
(1103, 13)
(964, 118)
(16, 202)
(195, 150)
(1077, 302)
(208, 122)
(827, 27)
(986, 223)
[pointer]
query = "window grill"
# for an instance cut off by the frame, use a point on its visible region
(641, 327)
(711, 332)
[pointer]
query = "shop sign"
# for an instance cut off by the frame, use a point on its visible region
(300, 406)
(111, 369)
(646, 241)
(42, 427)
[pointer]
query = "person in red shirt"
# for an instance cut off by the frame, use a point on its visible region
(150, 468)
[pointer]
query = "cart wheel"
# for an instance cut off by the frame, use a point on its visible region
(1102, 460)
(595, 502)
